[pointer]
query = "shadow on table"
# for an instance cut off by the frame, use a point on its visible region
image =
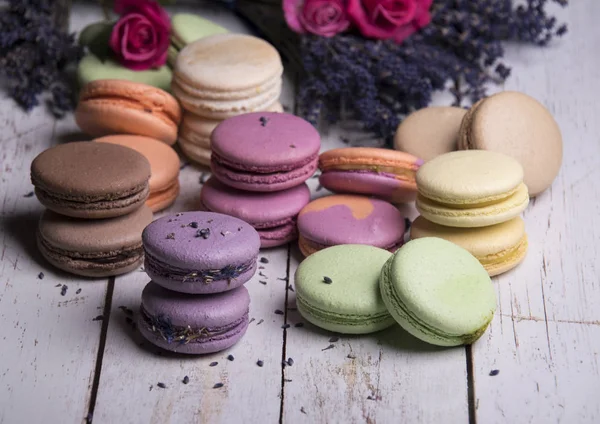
(22, 227)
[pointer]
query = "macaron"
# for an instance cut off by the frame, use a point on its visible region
(93, 247)
(383, 173)
(471, 188)
(521, 127)
(224, 75)
(438, 292)
(187, 28)
(429, 132)
(200, 252)
(337, 289)
(195, 131)
(91, 180)
(264, 151)
(273, 214)
(124, 107)
(193, 324)
(164, 166)
(349, 219)
(499, 247)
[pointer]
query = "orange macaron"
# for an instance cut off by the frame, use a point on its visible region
(124, 107)
(164, 167)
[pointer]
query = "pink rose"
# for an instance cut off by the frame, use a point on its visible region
(321, 17)
(140, 38)
(384, 19)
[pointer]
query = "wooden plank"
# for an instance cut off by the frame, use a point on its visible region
(544, 338)
(128, 389)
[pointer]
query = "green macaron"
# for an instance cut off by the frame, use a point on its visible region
(99, 64)
(187, 28)
(438, 292)
(338, 289)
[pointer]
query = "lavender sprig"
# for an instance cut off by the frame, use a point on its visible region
(35, 53)
(380, 82)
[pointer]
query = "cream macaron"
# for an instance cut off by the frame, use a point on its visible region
(471, 188)
(521, 127)
(499, 248)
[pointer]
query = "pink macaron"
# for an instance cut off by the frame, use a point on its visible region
(349, 219)
(264, 151)
(273, 215)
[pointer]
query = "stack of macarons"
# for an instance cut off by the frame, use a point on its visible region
(436, 290)
(260, 162)
(139, 117)
(474, 199)
(370, 182)
(94, 194)
(199, 262)
(221, 76)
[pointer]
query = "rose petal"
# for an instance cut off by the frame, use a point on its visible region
(157, 15)
(291, 11)
(367, 28)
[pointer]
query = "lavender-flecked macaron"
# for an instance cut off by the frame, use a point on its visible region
(200, 252)
(264, 151)
(349, 219)
(193, 324)
(273, 215)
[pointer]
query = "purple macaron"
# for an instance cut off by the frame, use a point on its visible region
(264, 151)
(349, 219)
(193, 324)
(273, 215)
(200, 252)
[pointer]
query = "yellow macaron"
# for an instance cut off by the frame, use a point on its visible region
(499, 247)
(473, 188)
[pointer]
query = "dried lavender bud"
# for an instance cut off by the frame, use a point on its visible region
(213, 364)
(171, 236)
(260, 322)
(185, 380)
(264, 260)
(161, 385)
(41, 275)
(285, 326)
(30, 194)
(230, 357)
(331, 346)
(263, 121)
(278, 312)
(290, 362)
(494, 373)
(63, 290)
(218, 386)
(260, 363)
(204, 233)
(327, 280)
(98, 318)
(333, 339)
(78, 291)
(193, 224)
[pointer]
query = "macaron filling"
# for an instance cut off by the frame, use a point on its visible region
(509, 255)
(413, 321)
(90, 202)
(341, 319)
(162, 327)
(207, 276)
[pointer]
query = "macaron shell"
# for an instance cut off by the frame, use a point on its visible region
(370, 158)
(429, 132)
(469, 177)
(490, 214)
(282, 143)
(194, 152)
(352, 303)
(348, 219)
(263, 209)
(370, 184)
(498, 247)
(519, 126)
(277, 236)
(438, 292)
(164, 162)
(164, 198)
(91, 68)
(124, 107)
(188, 27)
(228, 62)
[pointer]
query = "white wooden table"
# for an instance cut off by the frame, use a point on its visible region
(58, 364)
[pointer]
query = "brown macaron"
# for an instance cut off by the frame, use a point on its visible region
(429, 132)
(519, 126)
(91, 180)
(93, 247)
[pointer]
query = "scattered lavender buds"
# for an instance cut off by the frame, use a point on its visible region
(204, 233)
(98, 318)
(494, 373)
(327, 280)
(213, 364)
(30, 194)
(218, 386)
(260, 363)
(285, 326)
(193, 224)
(333, 339)
(290, 362)
(63, 290)
(230, 357)
(264, 260)
(278, 312)
(185, 380)
(171, 236)
(78, 291)
(331, 346)
(161, 385)
(41, 276)
(263, 121)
